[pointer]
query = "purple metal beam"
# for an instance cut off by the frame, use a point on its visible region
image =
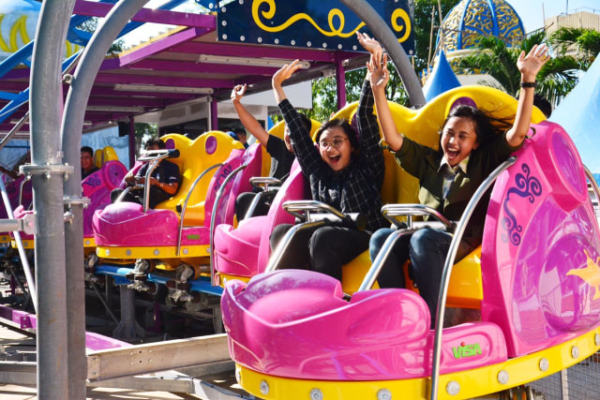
(97, 9)
(160, 46)
(224, 49)
(126, 101)
(98, 91)
(214, 115)
(164, 80)
(340, 80)
(131, 141)
(183, 66)
(93, 341)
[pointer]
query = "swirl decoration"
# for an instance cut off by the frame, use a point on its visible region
(335, 20)
(19, 29)
(527, 187)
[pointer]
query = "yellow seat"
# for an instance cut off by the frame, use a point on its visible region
(195, 156)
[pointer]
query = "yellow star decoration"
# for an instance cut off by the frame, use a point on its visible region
(590, 274)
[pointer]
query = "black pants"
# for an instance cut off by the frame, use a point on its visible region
(244, 200)
(137, 196)
(323, 249)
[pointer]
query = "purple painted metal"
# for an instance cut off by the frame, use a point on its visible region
(214, 115)
(159, 46)
(93, 340)
(183, 66)
(97, 9)
(222, 49)
(163, 80)
(131, 141)
(340, 75)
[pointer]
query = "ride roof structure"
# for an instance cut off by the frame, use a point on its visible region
(192, 62)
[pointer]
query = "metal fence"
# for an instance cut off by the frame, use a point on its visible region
(580, 382)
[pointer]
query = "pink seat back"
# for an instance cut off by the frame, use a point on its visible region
(97, 188)
(541, 245)
(252, 159)
(292, 189)
(233, 161)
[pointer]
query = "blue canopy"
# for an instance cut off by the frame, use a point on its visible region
(441, 80)
(579, 114)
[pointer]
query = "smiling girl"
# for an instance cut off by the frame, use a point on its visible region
(345, 170)
(471, 147)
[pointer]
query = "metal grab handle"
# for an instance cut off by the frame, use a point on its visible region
(373, 273)
(187, 199)
(213, 218)
(391, 212)
(283, 243)
(150, 155)
(264, 181)
(447, 271)
(296, 207)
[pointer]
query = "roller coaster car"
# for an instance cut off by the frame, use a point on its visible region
(96, 187)
(294, 334)
(175, 236)
(239, 251)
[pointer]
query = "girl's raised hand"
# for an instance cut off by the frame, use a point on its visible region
(378, 71)
(369, 44)
(285, 72)
(529, 65)
(238, 92)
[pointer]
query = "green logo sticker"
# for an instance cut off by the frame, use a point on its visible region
(468, 350)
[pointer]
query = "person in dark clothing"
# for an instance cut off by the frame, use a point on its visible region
(345, 171)
(87, 162)
(281, 152)
(164, 181)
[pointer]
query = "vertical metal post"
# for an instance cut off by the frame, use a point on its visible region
(564, 384)
(131, 141)
(45, 82)
(340, 75)
(384, 34)
(213, 115)
(128, 328)
(72, 124)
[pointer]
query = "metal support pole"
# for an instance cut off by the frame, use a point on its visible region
(45, 111)
(340, 75)
(389, 41)
(128, 328)
(131, 141)
(214, 115)
(72, 124)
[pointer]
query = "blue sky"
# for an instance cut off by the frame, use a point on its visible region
(531, 10)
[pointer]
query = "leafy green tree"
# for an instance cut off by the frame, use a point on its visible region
(555, 79)
(584, 43)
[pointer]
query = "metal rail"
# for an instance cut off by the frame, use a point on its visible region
(187, 199)
(213, 218)
(20, 248)
(262, 182)
(595, 187)
(373, 273)
(392, 211)
(447, 271)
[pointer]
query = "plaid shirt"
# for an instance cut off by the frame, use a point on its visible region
(355, 189)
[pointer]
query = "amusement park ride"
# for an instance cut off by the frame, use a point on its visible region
(293, 334)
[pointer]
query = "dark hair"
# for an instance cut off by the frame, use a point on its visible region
(87, 149)
(544, 105)
(486, 127)
(240, 131)
(346, 127)
(155, 141)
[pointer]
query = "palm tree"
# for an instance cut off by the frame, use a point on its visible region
(555, 79)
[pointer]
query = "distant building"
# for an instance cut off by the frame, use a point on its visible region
(581, 19)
